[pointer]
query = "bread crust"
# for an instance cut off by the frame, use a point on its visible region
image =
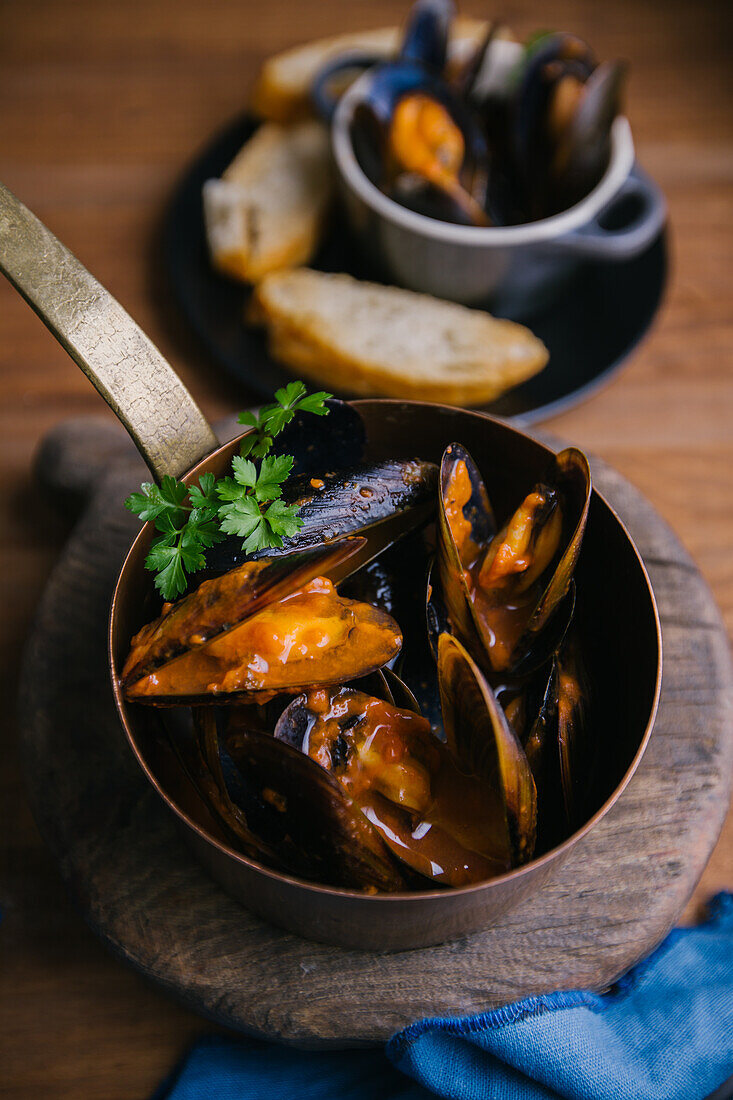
(281, 92)
(505, 353)
(268, 210)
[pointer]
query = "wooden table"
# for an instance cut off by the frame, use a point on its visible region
(103, 105)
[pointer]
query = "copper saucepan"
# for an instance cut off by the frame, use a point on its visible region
(618, 614)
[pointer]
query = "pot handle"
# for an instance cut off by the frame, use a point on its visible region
(323, 100)
(138, 384)
(599, 239)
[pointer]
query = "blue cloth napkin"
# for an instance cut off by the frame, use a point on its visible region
(663, 1032)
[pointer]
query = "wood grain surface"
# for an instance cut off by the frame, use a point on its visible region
(103, 105)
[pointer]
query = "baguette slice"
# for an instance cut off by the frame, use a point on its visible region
(267, 210)
(282, 89)
(369, 339)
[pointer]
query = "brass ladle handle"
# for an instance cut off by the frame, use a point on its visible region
(138, 384)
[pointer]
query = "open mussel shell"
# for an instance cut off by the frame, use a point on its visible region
(217, 606)
(208, 775)
(311, 637)
(557, 743)
(548, 61)
(564, 108)
(432, 817)
(572, 476)
(574, 742)
(484, 744)
(413, 135)
(465, 523)
(313, 826)
(538, 733)
(383, 501)
(500, 630)
(425, 40)
(583, 154)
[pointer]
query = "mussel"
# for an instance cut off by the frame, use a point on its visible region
(576, 748)
(217, 605)
(455, 813)
(325, 741)
(316, 828)
(275, 623)
(550, 716)
(425, 39)
(382, 501)
(532, 143)
(502, 587)
(484, 744)
(414, 136)
(311, 636)
(549, 127)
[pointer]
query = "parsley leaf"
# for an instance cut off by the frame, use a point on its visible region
(147, 503)
(166, 561)
(202, 495)
(273, 472)
(202, 525)
(248, 504)
(283, 518)
(289, 394)
(154, 500)
(243, 517)
(245, 472)
(315, 403)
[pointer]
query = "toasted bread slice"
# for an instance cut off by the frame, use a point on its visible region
(267, 210)
(282, 90)
(369, 339)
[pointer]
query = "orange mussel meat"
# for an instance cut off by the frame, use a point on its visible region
(436, 819)
(312, 636)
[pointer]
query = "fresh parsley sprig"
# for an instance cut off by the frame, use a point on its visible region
(248, 504)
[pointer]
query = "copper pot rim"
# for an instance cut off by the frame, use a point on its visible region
(412, 896)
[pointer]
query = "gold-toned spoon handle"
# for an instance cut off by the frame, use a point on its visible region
(138, 384)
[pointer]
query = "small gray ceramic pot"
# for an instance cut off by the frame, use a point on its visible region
(520, 266)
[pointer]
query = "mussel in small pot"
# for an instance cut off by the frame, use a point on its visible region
(415, 137)
(566, 105)
(549, 127)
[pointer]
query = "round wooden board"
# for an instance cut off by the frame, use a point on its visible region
(141, 890)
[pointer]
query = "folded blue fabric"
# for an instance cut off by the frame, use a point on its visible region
(664, 1032)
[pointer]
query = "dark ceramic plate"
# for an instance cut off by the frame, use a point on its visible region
(604, 311)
